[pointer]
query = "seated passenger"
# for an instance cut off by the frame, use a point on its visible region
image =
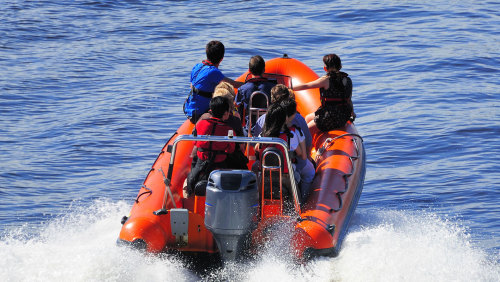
(303, 166)
(204, 78)
(278, 93)
(277, 118)
(237, 159)
(335, 87)
(223, 90)
(211, 155)
(226, 86)
(257, 82)
(330, 117)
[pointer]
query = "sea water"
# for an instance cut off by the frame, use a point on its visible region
(91, 90)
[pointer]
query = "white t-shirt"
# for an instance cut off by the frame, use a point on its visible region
(294, 140)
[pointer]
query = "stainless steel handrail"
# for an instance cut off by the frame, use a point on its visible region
(271, 168)
(247, 140)
(258, 111)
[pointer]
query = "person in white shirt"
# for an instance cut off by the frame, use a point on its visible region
(279, 117)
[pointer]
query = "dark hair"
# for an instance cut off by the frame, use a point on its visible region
(219, 106)
(275, 119)
(215, 51)
(332, 61)
(279, 92)
(290, 106)
(331, 117)
(257, 65)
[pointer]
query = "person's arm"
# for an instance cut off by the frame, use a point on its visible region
(299, 152)
(313, 128)
(353, 114)
(256, 148)
(193, 153)
(294, 143)
(301, 122)
(349, 91)
(257, 129)
(230, 147)
(234, 83)
(321, 82)
(302, 142)
(302, 146)
(236, 113)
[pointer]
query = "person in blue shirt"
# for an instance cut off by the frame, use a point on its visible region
(204, 78)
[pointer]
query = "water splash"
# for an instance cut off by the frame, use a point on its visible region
(81, 247)
(401, 246)
(381, 246)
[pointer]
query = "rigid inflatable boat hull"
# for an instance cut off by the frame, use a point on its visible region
(322, 222)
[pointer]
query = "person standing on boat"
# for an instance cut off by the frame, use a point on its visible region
(256, 82)
(211, 155)
(335, 89)
(204, 78)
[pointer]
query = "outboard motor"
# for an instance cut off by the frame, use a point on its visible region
(231, 210)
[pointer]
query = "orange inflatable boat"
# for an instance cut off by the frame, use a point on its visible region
(232, 217)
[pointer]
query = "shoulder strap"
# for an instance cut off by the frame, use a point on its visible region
(288, 136)
(297, 128)
(210, 151)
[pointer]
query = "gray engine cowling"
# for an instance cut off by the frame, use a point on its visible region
(231, 210)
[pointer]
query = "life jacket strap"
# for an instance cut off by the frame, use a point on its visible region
(202, 93)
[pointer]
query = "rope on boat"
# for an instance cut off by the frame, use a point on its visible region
(330, 141)
(327, 144)
(149, 191)
(167, 188)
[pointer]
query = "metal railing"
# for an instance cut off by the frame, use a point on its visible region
(247, 140)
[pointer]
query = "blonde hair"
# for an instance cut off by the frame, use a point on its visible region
(222, 92)
(227, 86)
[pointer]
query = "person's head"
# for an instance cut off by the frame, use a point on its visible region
(257, 65)
(215, 51)
(223, 92)
(227, 86)
(290, 107)
(275, 119)
(332, 62)
(280, 92)
(219, 106)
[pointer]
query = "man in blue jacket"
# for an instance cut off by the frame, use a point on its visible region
(256, 82)
(204, 78)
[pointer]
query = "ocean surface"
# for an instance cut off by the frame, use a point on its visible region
(91, 90)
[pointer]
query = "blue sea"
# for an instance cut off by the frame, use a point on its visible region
(90, 91)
